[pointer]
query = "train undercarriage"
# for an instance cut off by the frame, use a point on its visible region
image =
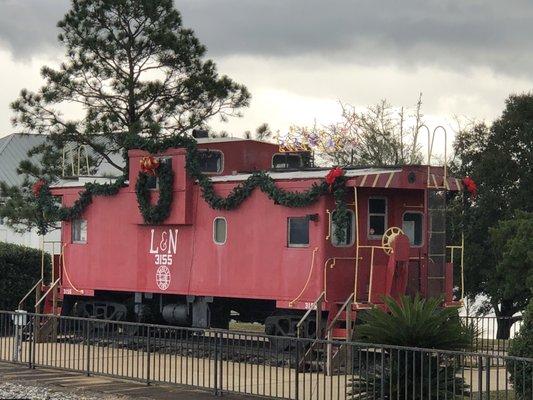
(189, 311)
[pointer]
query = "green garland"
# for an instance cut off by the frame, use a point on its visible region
(157, 214)
(49, 210)
(154, 215)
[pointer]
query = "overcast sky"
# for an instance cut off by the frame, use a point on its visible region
(298, 58)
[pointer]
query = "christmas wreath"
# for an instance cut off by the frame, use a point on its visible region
(154, 215)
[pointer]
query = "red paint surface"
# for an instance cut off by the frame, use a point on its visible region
(255, 262)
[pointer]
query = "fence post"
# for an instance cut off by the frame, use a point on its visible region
(487, 376)
(88, 346)
(148, 351)
(297, 371)
(30, 343)
(480, 376)
(216, 365)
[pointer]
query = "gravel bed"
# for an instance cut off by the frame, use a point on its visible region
(14, 390)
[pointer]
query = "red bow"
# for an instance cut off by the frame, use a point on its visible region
(470, 185)
(332, 176)
(37, 186)
(149, 164)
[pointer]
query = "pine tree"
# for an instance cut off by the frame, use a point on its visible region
(134, 71)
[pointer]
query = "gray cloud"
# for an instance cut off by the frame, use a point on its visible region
(28, 27)
(452, 34)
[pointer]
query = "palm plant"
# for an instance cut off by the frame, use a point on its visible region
(397, 372)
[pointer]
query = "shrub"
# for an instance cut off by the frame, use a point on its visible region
(20, 269)
(412, 322)
(521, 372)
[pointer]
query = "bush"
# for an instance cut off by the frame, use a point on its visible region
(20, 269)
(522, 346)
(413, 322)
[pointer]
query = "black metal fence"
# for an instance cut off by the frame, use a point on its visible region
(493, 334)
(261, 365)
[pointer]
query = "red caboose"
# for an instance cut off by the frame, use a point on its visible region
(261, 261)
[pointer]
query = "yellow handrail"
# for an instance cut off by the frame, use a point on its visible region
(329, 224)
(452, 252)
(341, 309)
(334, 259)
(371, 267)
(46, 294)
(314, 307)
(21, 302)
(291, 303)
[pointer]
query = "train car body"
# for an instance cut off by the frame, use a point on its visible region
(202, 266)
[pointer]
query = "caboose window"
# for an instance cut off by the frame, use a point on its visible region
(377, 217)
(298, 231)
(286, 161)
(220, 230)
(210, 161)
(349, 235)
(412, 227)
(79, 231)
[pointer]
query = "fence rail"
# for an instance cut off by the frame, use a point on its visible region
(493, 334)
(259, 365)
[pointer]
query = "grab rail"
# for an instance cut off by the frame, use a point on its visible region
(337, 316)
(452, 251)
(21, 302)
(371, 268)
(46, 293)
(317, 306)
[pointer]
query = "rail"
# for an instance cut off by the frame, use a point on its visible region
(334, 259)
(329, 224)
(316, 306)
(21, 302)
(254, 364)
(373, 248)
(309, 275)
(343, 308)
(52, 287)
(452, 252)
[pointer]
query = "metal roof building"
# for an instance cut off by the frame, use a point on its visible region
(14, 149)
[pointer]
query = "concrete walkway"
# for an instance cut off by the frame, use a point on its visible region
(74, 382)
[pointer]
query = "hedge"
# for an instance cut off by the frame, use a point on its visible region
(20, 269)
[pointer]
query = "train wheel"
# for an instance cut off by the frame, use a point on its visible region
(284, 327)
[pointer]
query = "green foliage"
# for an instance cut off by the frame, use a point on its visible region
(20, 268)
(522, 346)
(49, 212)
(409, 375)
(415, 322)
(513, 256)
(158, 213)
(498, 158)
(412, 322)
(133, 70)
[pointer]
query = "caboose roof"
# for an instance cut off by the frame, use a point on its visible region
(307, 174)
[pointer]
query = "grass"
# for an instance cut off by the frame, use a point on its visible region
(247, 327)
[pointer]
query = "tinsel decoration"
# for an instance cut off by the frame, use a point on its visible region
(154, 215)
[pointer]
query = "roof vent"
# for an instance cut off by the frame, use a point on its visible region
(200, 133)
